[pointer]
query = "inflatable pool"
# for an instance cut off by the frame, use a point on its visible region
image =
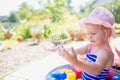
(69, 72)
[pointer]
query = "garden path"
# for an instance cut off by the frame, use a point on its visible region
(19, 55)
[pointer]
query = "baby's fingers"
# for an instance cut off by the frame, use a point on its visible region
(73, 52)
(62, 51)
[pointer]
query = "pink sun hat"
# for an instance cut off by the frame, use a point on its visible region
(100, 16)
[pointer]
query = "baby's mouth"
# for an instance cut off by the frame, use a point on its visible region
(92, 41)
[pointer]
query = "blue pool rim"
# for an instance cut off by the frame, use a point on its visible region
(68, 66)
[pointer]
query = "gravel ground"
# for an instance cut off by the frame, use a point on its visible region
(17, 56)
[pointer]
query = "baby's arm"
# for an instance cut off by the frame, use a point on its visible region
(95, 68)
(117, 58)
(82, 50)
(92, 68)
(71, 55)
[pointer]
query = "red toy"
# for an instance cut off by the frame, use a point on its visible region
(110, 74)
(77, 71)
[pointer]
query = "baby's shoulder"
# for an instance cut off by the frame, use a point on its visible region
(106, 52)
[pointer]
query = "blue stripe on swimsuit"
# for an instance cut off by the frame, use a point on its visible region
(87, 76)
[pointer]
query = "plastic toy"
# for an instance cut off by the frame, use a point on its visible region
(58, 75)
(110, 74)
(54, 75)
(77, 71)
(71, 76)
(115, 78)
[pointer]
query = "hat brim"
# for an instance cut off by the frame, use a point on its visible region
(92, 20)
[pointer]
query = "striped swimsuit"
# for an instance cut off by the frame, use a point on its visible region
(87, 76)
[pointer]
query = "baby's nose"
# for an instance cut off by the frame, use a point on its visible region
(89, 37)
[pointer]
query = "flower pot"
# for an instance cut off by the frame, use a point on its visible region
(80, 36)
(8, 35)
(71, 36)
(19, 39)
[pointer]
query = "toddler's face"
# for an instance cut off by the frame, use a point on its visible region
(95, 34)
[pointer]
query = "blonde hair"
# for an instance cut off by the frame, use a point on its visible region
(113, 42)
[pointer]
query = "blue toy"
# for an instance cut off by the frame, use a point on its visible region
(58, 75)
(62, 75)
(115, 78)
(55, 74)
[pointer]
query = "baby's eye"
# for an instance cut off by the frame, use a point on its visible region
(93, 33)
(87, 33)
(90, 33)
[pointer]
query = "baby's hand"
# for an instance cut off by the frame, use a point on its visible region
(49, 46)
(68, 54)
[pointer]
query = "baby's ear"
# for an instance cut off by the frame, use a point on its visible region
(108, 32)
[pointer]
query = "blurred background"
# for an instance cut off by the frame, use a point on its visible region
(25, 20)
